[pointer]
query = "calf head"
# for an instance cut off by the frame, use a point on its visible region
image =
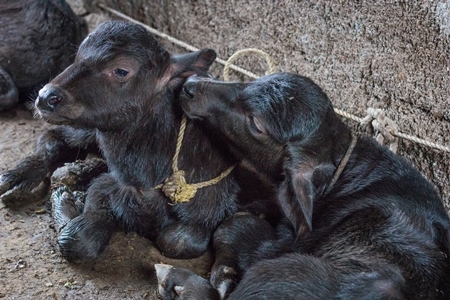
(283, 125)
(120, 73)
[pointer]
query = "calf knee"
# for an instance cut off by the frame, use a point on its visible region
(236, 245)
(183, 241)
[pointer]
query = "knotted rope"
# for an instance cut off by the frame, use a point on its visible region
(383, 126)
(388, 129)
(175, 186)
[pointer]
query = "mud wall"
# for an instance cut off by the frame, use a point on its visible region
(392, 55)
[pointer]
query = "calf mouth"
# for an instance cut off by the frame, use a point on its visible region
(200, 95)
(192, 87)
(190, 98)
(56, 106)
(51, 118)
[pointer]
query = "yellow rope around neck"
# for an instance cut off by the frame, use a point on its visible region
(175, 186)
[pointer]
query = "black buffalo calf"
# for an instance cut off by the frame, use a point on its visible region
(39, 39)
(120, 95)
(376, 230)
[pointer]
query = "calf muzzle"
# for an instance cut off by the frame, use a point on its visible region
(49, 98)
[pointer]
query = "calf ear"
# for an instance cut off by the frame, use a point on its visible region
(296, 196)
(187, 64)
(198, 62)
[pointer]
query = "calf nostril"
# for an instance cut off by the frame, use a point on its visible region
(53, 100)
(48, 99)
(188, 90)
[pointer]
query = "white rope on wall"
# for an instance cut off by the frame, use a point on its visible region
(174, 40)
(386, 130)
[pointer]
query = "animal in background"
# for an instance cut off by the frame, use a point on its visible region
(39, 39)
(363, 223)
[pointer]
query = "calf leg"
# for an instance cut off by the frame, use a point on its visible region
(69, 184)
(299, 276)
(86, 235)
(179, 283)
(290, 276)
(29, 180)
(183, 240)
(237, 245)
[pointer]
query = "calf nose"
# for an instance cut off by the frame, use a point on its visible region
(190, 86)
(49, 98)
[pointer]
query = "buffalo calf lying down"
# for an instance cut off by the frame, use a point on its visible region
(120, 94)
(379, 232)
(38, 40)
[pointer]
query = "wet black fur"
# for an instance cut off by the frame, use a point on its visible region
(133, 118)
(380, 233)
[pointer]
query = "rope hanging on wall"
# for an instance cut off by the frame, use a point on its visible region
(386, 130)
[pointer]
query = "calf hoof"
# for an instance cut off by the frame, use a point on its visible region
(179, 283)
(66, 206)
(224, 279)
(183, 241)
(26, 183)
(83, 239)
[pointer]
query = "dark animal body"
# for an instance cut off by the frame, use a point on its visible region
(39, 39)
(379, 232)
(120, 95)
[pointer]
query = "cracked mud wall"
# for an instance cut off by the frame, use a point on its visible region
(393, 55)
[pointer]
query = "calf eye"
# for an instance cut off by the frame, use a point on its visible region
(255, 125)
(120, 72)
